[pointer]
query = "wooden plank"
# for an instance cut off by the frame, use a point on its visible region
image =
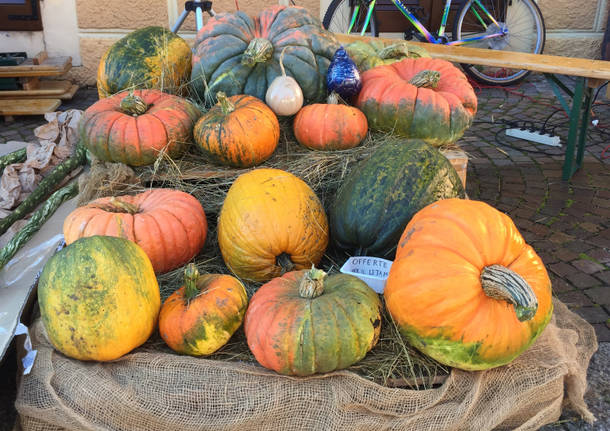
(28, 106)
(30, 83)
(40, 58)
(543, 63)
(53, 66)
(67, 95)
(45, 88)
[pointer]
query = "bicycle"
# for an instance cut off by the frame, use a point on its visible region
(512, 25)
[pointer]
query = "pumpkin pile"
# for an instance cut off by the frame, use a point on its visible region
(464, 289)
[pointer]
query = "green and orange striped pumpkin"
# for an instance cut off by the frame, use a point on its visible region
(306, 322)
(423, 98)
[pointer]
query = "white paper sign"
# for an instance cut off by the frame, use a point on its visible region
(373, 271)
(28, 359)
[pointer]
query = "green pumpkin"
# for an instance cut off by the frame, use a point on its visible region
(383, 192)
(375, 53)
(151, 57)
(238, 54)
(306, 322)
(99, 298)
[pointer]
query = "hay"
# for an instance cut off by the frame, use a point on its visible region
(391, 362)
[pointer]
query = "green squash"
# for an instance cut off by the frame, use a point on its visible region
(238, 54)
(151, 57)
(99, 298)
(375, 53)
(383, 192)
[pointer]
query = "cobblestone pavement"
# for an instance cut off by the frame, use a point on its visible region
(568, 223)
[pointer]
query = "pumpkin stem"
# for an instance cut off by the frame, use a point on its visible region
(133, 105)
(393, 51)
(283, 261)
(426, 79)
(312, 284)
(282, 61)
(191, 275)
(333, 99)
(225, 104)
(259, 50)
(502, 283)
(123, 206)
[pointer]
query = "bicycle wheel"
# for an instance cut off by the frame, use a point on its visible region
(524, 29)
(339, 14)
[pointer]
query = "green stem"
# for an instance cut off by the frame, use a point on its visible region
(123, 206)
(312, 284)
(259, 50)
(226, 105)
(396, 50)
(133, 105)
(45, 188)
(36, 221)
(426, 79)
(501, 283)
(14, 157)
(191, 275)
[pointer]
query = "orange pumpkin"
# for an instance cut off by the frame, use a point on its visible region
(271, 222)
(134, 127)
(201, 316)
(330, 126)
(169, 225)
(239, 131)
(420, 98)
(465, 288)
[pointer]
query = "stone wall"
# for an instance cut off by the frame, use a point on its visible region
(574, 28)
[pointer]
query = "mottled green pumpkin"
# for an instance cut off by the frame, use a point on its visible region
(383, 192)
(99, 298)
(374, 53)
(151, 57)
(306, 322)
(238, 54)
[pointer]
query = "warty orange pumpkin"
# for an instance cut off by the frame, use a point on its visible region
(169, 225)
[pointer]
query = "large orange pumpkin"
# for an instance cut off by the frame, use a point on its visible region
(134, 127)
(271, 222)
(423, 98)
(465, 288)
(330, 126)
(169, 225)
(238, 131)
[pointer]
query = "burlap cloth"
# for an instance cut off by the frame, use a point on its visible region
(160, 391)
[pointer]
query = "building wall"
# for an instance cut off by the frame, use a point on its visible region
(84, 29)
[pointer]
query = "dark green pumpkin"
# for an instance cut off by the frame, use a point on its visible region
(238, 54)
(383, 192)
(151, 57)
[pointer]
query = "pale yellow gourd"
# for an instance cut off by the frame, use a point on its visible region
(284, 96)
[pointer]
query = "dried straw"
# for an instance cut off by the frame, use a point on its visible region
(392, 362)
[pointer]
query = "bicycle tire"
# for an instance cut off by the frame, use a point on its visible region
(339, 13)
(526, 33)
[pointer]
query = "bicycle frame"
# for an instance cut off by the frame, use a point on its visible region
(422, 29)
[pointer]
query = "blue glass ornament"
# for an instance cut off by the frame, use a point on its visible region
(343, 77)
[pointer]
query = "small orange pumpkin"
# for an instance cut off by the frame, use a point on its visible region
(465, 288)
(201, 316)
(330, 126)
(169, 225)
(239, 131)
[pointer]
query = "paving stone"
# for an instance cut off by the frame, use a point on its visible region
(582, 280)
(574, 299)
(561, 238)
(604, 277)
(559, 285)
(562, 269)
(588, 266)
(599, 295)
(600, 255)
(602, 332)
(565, 254)
(593, 314)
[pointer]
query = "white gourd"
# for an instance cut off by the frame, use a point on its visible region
(284, 96)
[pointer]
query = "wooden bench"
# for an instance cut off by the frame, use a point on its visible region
(589, 74)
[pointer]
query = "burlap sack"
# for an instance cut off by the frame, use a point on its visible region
(159, 391)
